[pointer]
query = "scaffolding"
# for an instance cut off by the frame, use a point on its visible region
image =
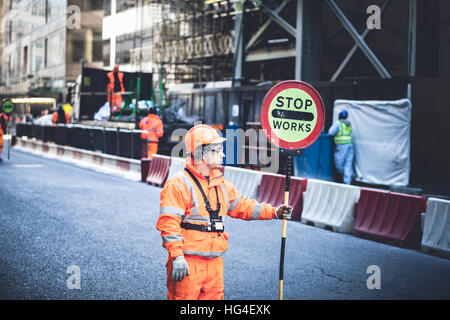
(195, 40)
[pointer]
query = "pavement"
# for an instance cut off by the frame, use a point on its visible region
(54, 215)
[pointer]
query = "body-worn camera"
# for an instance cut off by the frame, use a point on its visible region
(216, 225)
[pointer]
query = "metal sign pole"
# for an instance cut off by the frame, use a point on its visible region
(283, 232)
(292, 116)
(8, 131)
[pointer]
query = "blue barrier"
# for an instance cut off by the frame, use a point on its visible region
(317, 160)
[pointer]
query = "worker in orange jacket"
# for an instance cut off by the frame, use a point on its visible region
(193, 207)
(114, 87)
(153, 126)
(2, 132)
(60, 116)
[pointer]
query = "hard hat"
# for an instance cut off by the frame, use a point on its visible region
(343, 114)
(201, 135)
(153, 110)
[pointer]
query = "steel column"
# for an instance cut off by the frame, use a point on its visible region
(353, 50)
(359, 41)
(299, 41)
(264, 27)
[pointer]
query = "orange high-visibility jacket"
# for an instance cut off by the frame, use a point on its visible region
(3, 119)
(116, 99)
(154, 127)
(55, 117)
(181, 201)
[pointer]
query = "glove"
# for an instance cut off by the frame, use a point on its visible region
(180, 268)
(283, 211)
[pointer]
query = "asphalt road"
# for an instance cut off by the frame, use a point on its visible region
(54, 215)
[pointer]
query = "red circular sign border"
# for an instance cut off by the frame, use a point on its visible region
(288, 84)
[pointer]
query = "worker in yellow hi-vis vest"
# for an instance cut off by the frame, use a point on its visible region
(344, 154)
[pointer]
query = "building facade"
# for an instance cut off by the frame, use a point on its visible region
(128, 34)
(44, 43)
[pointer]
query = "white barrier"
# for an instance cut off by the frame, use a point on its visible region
(246, 181)
(330, 205)
(123, 167)
(436, 229)
(176, 165)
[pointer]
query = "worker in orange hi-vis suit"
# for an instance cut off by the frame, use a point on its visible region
(193, 207)
(2, 132)
(114, 87)
(60, 116)
(153, 126)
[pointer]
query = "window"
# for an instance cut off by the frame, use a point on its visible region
(107, 7)
(55, 8)
(10, 30)
(25, 60)
(97, 46)
(56, 49)
(76, 47)
(45, 53)
(123, 5)
(38, 11)
(106, 52)
(9, 66)
(96, 5)
(88, 5)
(124, 44)
(37, 55)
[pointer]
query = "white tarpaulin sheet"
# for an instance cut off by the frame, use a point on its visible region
(381, 139)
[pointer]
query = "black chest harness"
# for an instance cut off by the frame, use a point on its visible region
(216, 223)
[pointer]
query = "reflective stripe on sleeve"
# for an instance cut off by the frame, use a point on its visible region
(234, 203)
(226, 196)
(256, 211)
(173, 237)
(171, 210)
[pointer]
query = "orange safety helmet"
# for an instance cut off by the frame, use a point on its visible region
(201, 135)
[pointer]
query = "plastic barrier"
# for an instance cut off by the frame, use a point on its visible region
(158, 170)
(176, 165)
(123, 167)
(110, 141)
(436, 230)
(389, 217)
(246, 181)
(36, 132)
(60, 135)
(316, 160)
(272, 187)
(145, 164)
(330, 205)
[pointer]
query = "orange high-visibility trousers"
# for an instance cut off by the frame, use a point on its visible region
(205, 280)
(149, 149)
(1, 143)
